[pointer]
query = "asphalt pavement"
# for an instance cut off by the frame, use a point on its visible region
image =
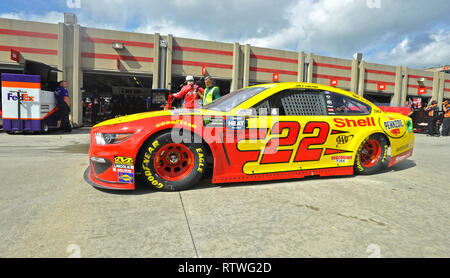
(48, 210)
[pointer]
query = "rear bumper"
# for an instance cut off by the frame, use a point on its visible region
(400, 157)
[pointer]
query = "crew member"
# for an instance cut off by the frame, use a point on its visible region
(63, 104)
(191, 93)
(211, 92)
(95, 107)
(446, 122)
(432, 110)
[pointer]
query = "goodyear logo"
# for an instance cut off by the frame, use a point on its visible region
(126, 177)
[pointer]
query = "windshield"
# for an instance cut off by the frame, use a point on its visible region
(233, 99)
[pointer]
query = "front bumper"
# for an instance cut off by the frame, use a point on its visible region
(94, 180)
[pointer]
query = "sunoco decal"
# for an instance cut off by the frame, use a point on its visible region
(126, 177)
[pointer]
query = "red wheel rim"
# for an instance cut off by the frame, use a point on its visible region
(370, 153)
(173, 161)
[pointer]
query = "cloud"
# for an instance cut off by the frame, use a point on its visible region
(435, 52)
(386, 31)
(48, 17)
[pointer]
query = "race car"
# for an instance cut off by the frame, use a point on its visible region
(264, 132)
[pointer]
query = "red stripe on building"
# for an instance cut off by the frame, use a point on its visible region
(28, 34)
(202, 50)
(447, 90)
(418, 77)
(331, 77)
(201, 64)
(272, 58)
(381, 72)
(379, 82)
(110, 41)
(324, 65)
(447, 81)
(115, 57)
(417, 86)
(29, 50)
(286, 72)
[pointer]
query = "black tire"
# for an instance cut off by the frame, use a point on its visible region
(160, 152)
(371, 155)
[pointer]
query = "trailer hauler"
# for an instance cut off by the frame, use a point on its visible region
(37, 106)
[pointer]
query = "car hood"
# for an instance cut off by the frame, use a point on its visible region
(146, 115)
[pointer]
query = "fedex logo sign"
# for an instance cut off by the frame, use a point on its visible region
(23, 97)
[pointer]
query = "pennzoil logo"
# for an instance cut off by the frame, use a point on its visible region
(395, 124)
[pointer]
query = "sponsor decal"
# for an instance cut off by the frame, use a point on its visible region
(201, 159)
(177, 122)
(23, 96)
(237, 123)
(343, 139)
(368, 121)
(126, 177)
(342, 158)
(395, 124)
(120, 162)
(245, 112)
(402, 148)
(213, 122)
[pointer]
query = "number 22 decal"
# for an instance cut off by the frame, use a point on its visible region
(271, 153)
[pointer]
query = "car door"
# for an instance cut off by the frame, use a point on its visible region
(298, 128)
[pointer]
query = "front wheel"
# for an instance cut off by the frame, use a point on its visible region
(172, 166)
(371, 154)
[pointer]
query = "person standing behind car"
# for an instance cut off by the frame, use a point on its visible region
(446, 122)
(432, 110)
(63, 104)
(191, 93)
(95, 101)
(211, 92)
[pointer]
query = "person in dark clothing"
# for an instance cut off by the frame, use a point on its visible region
(432, 110)
(63, 104)
(446, 122)
(95, 106)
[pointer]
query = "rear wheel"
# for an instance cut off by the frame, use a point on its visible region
(371, 155)
(172, 166)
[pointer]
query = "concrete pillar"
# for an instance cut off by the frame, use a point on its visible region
(236, 66)
(435, 92)
(397, 98)
(61, 53)
(354, 76)
(440, 97)
(246, 75)
(404, 84)
(156, 61)
(362, 78)
(301, 67)
(310, 59)
(169, 62)
(77, 78)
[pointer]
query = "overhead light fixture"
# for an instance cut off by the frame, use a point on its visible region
(118, 45)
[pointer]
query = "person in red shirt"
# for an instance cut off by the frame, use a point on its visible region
(191, 93)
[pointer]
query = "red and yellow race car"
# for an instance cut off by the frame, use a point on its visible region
(264, 132)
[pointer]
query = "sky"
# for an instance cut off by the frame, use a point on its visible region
(396, 32)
